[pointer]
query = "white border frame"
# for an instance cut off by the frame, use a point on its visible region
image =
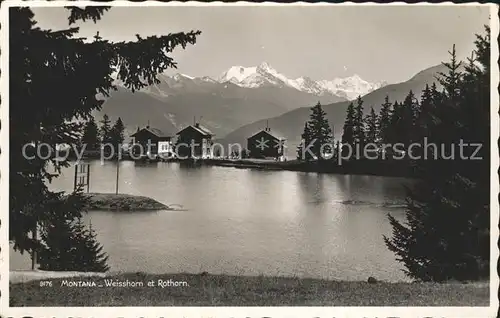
(302, 312)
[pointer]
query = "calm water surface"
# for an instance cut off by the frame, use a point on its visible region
(239, 221)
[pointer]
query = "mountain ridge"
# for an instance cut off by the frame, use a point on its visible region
(233, 112)
(264, 74)
(176, 100)
(290, 124)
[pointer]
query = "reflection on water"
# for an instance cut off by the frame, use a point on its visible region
(249, 222)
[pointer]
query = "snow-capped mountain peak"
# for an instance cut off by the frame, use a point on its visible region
(265, 67)
(179, 76)
(350, 87)
(237, 74)
(265, 74)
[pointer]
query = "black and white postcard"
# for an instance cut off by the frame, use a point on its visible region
(249, 159)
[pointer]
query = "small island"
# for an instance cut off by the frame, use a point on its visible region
(123, 202)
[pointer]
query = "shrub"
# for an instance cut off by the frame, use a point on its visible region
(70, 246)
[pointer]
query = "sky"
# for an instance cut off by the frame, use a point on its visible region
(390, 43)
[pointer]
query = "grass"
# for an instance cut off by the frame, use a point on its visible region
(123, 202)
(224, 290)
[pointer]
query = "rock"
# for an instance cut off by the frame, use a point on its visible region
(204, 274)
(372, 280)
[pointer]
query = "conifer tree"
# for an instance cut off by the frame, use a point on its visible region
(70, 246)
(384, 121)
(371, 123)
(349, 129)
(320, 132)
(424, 117)
(452, 79)
(90, 256)
(426, 105)
(90, 136)
(306, 139)
(57, 251)
(410, 111)
(338, 149)
(359, 123)
(401, 123)
(117, 134)
(46, 63)
(446, 235)
(105, 130)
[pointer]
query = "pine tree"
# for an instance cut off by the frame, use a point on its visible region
(422, 120)
(447, 231)
(90, 136)
(337, 152)
(410, 111)
(384, 121)
(306, 139)
(58, 248)
(426, 108)
(359, 124)
(70, 246)
(105, 130)
(392, 132)
(320, 132)
(349, 129)
(451, 80)
(117, 134)
(371, 123)
(45, 63)
(402, 121)
(90, 256)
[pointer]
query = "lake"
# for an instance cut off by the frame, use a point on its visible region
(248, 222)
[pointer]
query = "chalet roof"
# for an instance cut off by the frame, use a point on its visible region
(270, 133)
(155, 131)
(201, 129)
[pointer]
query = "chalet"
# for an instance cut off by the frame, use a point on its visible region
(266, 144)
(198, 136)
(150, 142)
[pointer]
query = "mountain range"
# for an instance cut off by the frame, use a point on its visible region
(291, 124)
(262, 75)
(241, 100)
(178, 100)
(226, 103)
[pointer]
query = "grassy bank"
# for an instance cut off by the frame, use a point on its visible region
(123, 202)
(224, 290)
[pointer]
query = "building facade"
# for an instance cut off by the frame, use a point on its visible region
(266, 144)
(194, 141)
(149, 143)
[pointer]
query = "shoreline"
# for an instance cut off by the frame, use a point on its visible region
(182, 289)
(382, 168)
(367, 168)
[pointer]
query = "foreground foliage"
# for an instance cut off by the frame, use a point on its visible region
(70, 246)
(55, 80)
(448, 213)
